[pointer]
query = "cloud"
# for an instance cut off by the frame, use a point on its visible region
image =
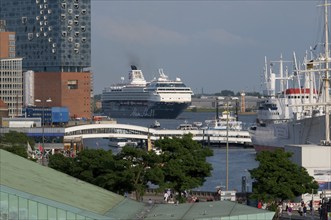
(223, 37)
(138, 32)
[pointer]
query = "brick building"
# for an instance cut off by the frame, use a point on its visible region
(64, 89)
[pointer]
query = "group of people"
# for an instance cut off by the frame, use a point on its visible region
(168, 196)
(303, 209)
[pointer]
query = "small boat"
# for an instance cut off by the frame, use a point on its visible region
(227, 120)
(197, 124)
(187, 126)
(121, 143)
(156, 124)
(231, 128)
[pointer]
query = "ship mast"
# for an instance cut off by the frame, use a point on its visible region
(327, 116)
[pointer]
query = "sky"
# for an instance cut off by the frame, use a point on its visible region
(211, 45)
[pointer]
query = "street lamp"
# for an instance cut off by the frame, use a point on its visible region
(43, 102)
(228, 101)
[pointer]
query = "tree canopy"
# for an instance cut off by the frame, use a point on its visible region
(184, 163)
(142, 167)
(130, 170)
(225, 93)
(16, 142)
(277, 178)
(95, 166)
(181, 166)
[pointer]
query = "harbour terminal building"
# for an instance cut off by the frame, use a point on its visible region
(53, 40)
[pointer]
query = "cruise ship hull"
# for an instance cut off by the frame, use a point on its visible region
(141, 109)
(277, 135)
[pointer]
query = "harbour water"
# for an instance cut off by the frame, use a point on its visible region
(240, 159)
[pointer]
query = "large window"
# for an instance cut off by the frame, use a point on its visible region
(72, 84)
(11, 36)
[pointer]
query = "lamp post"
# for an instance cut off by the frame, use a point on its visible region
(228, 101)
(43, 102)
(227, 145)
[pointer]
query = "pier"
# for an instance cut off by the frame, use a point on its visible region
(60, 138)
(141, 134)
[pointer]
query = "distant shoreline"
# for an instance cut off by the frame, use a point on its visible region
(247, 113)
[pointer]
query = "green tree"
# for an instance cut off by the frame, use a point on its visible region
(142, 166)
(225, 93)
(97, 167)
(184, 163)
(277, 178)
(16, 142)
(61, 163)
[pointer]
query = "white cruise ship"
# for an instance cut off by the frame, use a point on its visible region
(159, 98)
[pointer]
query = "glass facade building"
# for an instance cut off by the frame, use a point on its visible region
(51, 35)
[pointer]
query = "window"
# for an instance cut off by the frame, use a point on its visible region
(11, 36)
(24, 20)
(72, 84)
(30, 36)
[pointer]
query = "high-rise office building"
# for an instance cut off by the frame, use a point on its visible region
(11, 78)
(54, 37)
(11, 85)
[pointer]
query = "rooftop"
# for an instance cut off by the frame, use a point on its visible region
(32, 181)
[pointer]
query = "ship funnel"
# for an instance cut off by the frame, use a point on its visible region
(133, 67)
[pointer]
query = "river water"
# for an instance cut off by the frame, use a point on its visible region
(240, 159)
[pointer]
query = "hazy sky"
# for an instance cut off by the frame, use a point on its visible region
(211, 45)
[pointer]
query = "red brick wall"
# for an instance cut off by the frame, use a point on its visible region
(4, 44)
(54, 85)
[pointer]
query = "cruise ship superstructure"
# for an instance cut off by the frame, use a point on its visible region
(159, 98)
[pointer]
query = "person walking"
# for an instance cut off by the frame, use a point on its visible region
(300, 210)
(165, 197)
(304, 210)
(289, 211)
(259, 205)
